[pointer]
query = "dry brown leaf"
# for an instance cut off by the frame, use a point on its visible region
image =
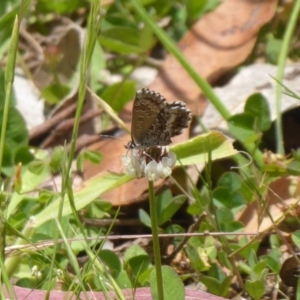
(217, 43)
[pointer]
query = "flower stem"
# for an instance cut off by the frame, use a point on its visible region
(156, 248)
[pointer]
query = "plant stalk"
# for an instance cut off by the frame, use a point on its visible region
(156, 247)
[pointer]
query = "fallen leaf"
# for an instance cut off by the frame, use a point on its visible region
(217, 43)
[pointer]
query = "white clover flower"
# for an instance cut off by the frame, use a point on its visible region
(152, 163)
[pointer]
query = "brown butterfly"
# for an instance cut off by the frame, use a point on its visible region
(155, 121)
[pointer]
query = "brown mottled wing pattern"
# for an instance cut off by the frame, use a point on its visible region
(154, 121)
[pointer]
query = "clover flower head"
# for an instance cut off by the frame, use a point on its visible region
(152, 163)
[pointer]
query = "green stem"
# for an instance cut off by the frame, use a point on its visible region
(9, 80)
(279, 79)
(156, 247)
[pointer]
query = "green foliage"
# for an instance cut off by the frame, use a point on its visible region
(173, 287)
(119, 94)
(166, 207)
(249, 125)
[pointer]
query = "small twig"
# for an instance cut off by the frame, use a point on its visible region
(66, 126)
(49, 124)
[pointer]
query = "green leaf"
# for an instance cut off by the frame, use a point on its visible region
(26, 283)
(123, 40)
(168, 206)
(98, 64)
(54, 93)
(112, 261)
(199, 259)
(23, 155)
(258, 106)
(45, 196)
(57, 158)
(16, 132)
(93, 156)
(258, 269)
(123, 280)
(144, 217)
(37, 167)
(273, 48)
(242, 126)
(293, 168)
(173, 287)
(80, 162)
(6, 26)
(138, 265)
(213, 285)
(225, 286)
(195, 8)
(224, 215)
(119, 94)
(196, 150)
(231, 181)
(232, 200)
(58, 7)
(134, 251)
(296, 238)
(255, 289)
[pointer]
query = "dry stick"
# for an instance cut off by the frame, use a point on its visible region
(11, 250)
(51, 123)
(67, 125)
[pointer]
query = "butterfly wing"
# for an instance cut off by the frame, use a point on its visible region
(154, 121)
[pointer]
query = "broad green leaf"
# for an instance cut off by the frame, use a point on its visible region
(16, 132)
(98, 64)
(232, 200)
(134, 251)
(258, 106)
(138, 265)
(173, 287)
(6, 25)
(230, 180)
(273, 48)
(225, 286)
(195, 8)
(111, 260)
(58, 7)
(242, 126)
(123, 40)
(93, 156)
(255, 289)
(119, 94)
(23, 155)
(199, 259)
(56, 160)
(123, 280)
(213, 285)
(37, 166)
(144, 217)
(296, 238)
(293, 168)
(196, 150)
(54, 93)
(167, 206)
